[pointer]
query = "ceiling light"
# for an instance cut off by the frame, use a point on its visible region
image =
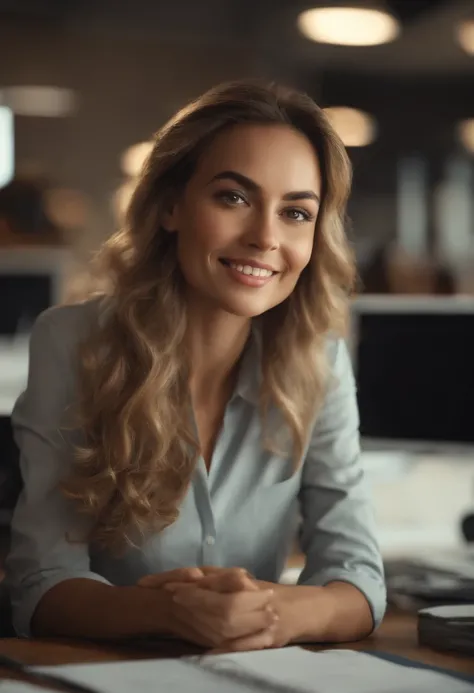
(7, 157)
(354, 127)
(466, 134)
(46, 102)
(349, 26)
(465, 34)
(134, 157)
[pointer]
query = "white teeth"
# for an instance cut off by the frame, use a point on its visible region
(254, 271)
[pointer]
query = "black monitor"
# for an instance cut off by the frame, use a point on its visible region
(31, 280)
(24, 296)
(414, 368)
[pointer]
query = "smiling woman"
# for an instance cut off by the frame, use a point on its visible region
(178, 424)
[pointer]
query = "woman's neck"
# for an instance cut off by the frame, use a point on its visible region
(215, 344)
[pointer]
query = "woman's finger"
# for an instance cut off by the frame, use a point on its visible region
(192, 632)
(223, 604)
(218, 629)
(231, 581)
(224, 582)
(196, 626)
(244, 625)
(213, 570)
(258, 641)
(170, 576)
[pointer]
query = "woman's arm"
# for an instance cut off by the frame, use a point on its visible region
(338, 530)
(81, 607)
(53, 590)
(41, 554)
(336, 612)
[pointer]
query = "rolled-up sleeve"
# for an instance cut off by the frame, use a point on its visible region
(47, 544)
(338, 533)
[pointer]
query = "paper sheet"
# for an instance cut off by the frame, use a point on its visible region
(143, 676)
(290, 670)
(340, 671)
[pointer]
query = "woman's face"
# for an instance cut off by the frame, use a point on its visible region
(246, 219)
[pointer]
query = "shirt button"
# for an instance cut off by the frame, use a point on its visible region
(210, 541)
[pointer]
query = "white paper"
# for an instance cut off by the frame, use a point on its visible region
(290, 669)
(20, 687)
(142, 676)
(451, 611)
(340, 671)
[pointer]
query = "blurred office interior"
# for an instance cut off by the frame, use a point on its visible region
(83, 87)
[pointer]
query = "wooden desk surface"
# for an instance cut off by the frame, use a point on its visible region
(397, 636)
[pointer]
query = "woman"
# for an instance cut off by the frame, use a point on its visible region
(211, 399)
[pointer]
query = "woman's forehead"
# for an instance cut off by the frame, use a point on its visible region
(267, 154)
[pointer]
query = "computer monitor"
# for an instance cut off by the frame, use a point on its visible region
(413, 360)
(31, 280)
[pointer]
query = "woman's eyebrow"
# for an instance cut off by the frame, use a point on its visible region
(251, 185)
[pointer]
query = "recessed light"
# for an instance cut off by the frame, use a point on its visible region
(348, 26)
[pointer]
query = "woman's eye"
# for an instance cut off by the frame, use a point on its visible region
(299, 215)
(231, 197)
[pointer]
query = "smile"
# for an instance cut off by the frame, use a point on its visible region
(248, 269)
(248, 274)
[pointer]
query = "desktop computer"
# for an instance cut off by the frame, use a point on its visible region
(31, 280)
(413, 360)
(414, 366)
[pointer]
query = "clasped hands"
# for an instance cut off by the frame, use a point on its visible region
(223, 609)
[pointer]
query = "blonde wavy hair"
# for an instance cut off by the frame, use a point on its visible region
(140, 449)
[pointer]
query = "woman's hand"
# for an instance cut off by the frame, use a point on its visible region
(282, 604)
(229, 607)
(177, 576)
(185, 575)
(246, 616)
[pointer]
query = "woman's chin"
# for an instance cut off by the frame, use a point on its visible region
(245, 308)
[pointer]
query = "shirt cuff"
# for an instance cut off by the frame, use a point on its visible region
(26, 598)
(373, 590)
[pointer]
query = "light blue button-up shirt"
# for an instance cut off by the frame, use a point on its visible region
(245, 512)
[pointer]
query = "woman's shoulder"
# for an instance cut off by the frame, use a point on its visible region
(69, 324)
(55, 339)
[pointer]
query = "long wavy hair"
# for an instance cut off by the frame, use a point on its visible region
(140, 449)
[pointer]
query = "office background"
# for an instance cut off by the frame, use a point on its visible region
(83, 86)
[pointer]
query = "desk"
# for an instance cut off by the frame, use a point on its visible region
(397, 636)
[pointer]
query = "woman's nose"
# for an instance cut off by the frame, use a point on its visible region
(263, 233)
